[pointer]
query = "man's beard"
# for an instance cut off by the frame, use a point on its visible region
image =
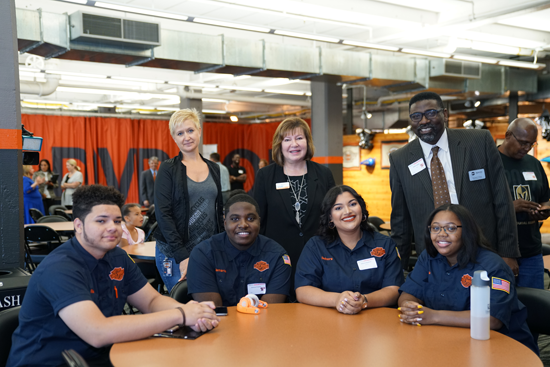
(429, 138)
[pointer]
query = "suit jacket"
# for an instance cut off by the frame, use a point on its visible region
(147, 187)
(278, 219)
(488, 199)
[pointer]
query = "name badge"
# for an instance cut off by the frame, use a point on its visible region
(256, 288)
(282, 185)
(417, 166)
(367, 264)
(241, 172)
(476, 175)
(529, 176)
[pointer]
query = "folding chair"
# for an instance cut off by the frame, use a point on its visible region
(44, 240)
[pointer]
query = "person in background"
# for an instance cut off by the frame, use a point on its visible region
(76, 296)
(327, 274)
(290, 192)
(263, 163)
(449, 166)
(237, 174)
(47, 188)
(131, 220)
(70, 182)
(224, 176)
(31, 195)
(188, 199)
(437, 291)
(147, 183)
(529, 187)
(239, 261)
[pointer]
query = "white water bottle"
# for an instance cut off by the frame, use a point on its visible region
(480, 306)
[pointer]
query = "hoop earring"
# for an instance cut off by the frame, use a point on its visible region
(364, 217)
(331, 225)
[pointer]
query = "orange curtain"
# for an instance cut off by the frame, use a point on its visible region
(114, 151)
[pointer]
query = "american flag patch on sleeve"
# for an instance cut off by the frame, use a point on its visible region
(286, 259)
(500, 284)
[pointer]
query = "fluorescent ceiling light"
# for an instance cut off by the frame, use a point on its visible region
(233, 118)
(142, 11)
(426, 53)
(484, 60)
(214, 100)
(126, 94)
(234, 87)
(44, 101)
(291, 92)
(520, 64)
(477, 104)
(61, 72)
(231, 25)
(371, 45)
(307, 36)
(214, 111)
(155, 81)
(83, 2)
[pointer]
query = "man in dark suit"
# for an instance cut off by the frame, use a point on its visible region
(147, 183)
(468, 165)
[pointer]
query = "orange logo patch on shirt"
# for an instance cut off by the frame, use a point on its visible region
(466, 280)
(378, 252)
(221, 270)
(261, 266)
(117, 274)
(326, 258)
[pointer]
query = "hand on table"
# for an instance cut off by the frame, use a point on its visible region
(415, 314)
(200, 316)
(183, 269)
(349, 302)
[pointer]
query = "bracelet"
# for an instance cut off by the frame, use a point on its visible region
(183, 314)
(365, 300)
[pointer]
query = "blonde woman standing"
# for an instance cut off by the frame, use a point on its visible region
(188, 199)
(71, 181)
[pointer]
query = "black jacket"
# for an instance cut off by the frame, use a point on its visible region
(278, 220)
(172, 206)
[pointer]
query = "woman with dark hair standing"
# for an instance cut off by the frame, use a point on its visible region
(290, 191)
(437, 291)
(47, 188)
(348, 266)
(188, 199)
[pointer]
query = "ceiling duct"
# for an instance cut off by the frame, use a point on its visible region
(92, 28)
(455, 69)
(40, 89)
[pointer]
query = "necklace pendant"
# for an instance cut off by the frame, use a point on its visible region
(298, 217)
(297, 206)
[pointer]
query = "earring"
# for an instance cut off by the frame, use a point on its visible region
(331, 225)
(364, 217)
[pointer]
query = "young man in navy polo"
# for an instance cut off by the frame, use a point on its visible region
(239, 261)
(76, 296)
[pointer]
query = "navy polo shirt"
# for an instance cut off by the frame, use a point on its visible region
(372, 265)
(68, 275)
(444, 287)
(216, 266)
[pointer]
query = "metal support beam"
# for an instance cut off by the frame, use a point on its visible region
(348, 119)
(11, 179)
(513, 106)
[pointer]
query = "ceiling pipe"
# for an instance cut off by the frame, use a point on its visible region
(291, 102)
(41, 89)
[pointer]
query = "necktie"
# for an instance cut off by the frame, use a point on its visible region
(439, 182)
(154, 175)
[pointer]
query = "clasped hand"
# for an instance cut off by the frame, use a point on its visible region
(350, 303)
(415, 314)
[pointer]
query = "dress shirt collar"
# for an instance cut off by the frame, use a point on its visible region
(362, 242)
(232, 252)
(443, 145)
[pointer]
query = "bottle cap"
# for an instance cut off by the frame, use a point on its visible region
(480, 279)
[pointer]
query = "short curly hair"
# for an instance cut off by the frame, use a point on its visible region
(86, 197)
(328, 234)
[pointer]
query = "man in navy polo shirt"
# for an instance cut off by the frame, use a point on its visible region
(76, 296)
(239, 261)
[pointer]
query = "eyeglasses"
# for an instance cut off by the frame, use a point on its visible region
(430, 114)
(449, 229)
(524, 143)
